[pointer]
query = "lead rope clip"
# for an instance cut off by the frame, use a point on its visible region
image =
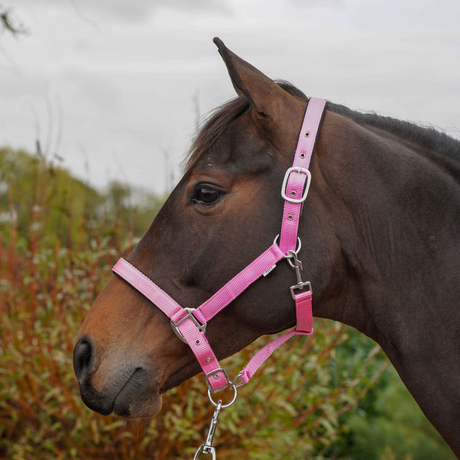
(207, 448)
(296, 264)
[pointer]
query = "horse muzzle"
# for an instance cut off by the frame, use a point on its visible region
(121, 386)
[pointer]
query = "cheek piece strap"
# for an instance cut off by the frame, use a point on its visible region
(190, 323)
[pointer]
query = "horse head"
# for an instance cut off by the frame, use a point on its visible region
(223, 213)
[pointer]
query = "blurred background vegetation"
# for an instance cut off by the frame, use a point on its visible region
(334, 396)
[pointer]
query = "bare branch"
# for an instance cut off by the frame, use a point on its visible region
(9, 23)
(83, 17)
(14, 66)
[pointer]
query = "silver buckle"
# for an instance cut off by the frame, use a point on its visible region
(307, 185)
(301, 286)
(211, 374)
(201, 327)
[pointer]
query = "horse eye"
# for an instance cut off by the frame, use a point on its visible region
(206, 195)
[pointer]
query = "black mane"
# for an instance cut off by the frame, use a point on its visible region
(424, 136)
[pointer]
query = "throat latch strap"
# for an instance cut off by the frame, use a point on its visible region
(190, 324)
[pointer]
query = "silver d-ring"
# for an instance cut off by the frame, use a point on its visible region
(215, 404)
(298, 248)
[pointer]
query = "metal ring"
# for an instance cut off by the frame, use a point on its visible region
(293, 255)
(215, 404)
(297, 250)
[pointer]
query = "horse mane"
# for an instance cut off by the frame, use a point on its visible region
(424, 136)
(220, 118)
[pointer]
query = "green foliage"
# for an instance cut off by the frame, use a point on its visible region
(46, 202)
(48, 205)
(395, 429)
(58, 241)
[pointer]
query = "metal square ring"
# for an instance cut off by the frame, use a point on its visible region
(200, 327)
(212, 373)
(301, 286)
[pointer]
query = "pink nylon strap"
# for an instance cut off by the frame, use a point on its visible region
(202, 350)
(238, 284)
(195, 338)
(148, 288)
(305, 146)
(246, 374)
(304, 327)
(304, 312)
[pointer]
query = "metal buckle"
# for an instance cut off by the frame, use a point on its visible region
(212, 373)
(301, 286)
(307, 185)
(201, 327)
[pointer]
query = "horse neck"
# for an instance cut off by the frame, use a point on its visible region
(395, 209)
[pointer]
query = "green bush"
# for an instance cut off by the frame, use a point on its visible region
(394, 428)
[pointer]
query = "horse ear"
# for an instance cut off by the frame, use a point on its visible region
(271, 105)
(264, 95)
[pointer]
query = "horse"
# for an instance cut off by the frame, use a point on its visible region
(380, 238)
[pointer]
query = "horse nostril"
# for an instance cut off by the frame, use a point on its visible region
(82, 357)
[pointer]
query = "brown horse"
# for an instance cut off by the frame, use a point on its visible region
(380, 232)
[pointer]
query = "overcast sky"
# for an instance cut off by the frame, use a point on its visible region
(121, 76)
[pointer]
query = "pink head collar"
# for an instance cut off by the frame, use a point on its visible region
(190, 324)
